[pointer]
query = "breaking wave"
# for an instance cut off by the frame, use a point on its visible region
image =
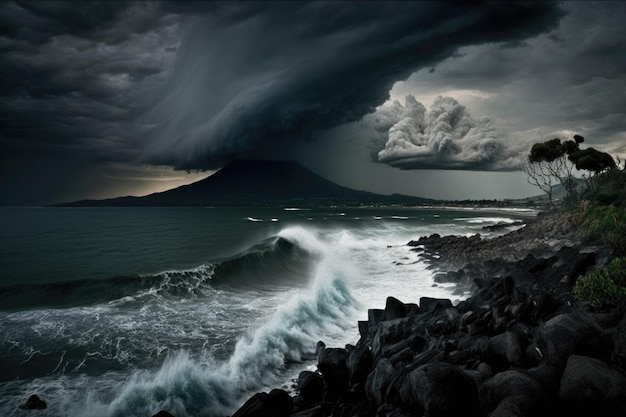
(274, 261)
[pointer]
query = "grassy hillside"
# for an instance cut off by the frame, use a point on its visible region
(601, 218)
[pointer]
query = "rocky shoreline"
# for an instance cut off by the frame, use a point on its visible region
(521, 345)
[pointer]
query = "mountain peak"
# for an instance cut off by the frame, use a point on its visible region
(255, 182)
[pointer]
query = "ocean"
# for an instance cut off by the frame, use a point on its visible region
(127, 311)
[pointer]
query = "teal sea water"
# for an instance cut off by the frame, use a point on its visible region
(126, 311)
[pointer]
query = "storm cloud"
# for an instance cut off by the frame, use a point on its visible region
(445, 136)
(246, 80)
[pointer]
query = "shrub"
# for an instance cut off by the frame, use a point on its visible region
(605, 225)
(605, 286)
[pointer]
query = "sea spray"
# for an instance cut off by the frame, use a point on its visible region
(188, 385)
(111, 336)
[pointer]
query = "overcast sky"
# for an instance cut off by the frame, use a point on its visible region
(438, 100)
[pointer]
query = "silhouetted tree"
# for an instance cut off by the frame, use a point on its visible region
(553, 161)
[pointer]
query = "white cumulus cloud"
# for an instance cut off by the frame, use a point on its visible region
(445, 136)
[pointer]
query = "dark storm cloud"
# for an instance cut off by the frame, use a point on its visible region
(286, 71)
(570, 80)
(192, 84)
(73, 77)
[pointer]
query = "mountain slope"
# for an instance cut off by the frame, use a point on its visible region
(250, 182)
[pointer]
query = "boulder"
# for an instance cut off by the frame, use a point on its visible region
(564, 335)
(364, 329)
(437, 389)
(163, 413)
(516, 388)
(587, 379)
(332, 365)
(378, 382)
(431, 304)
(375, 316)
(507, 348)
(278, 403)
(507, 408)
(359, 363)
(310, 388)
(482, 373)
(394, 309)
(619, 343)
(34, 403)
(388, 333)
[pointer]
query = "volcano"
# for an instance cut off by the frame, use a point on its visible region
(256, 183)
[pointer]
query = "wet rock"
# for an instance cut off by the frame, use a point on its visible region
(476, 327)
(516, 388)
(482, 373)
(374, 318)
(588, 379)
(332, 365)
(378, 382)
(507, 348)
(564, 335)
(388, 333)
(394, 309)
(319, 348)
(364, 329)
(34, 403)
(278, 403)
(359, 363)
(431, 304)
(163, 413)
(508, 408)
(438, 389)
(619, 343)
(467, 318)
(310, 388)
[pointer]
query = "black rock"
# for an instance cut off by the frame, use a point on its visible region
(520, 391)
(438, 389)
(374, 317)
(588, 379)
(378, 382)
(507, 348)
(310, 388)
(34, 403)
(278, 403)
(163, 413)
(564, 335)
(359, 364)
(619, 343)
(394, 309)
(332, 365)
(429, 304)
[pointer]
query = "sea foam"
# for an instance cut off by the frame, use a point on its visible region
(190, 385)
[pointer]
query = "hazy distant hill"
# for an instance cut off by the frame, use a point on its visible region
(256, 183)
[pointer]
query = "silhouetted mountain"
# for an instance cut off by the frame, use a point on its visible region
(256, 183)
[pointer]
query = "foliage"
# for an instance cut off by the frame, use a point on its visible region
(605, 286)
(547, 164)
(602, 219)
(610, 189)
(553, 161)
(547, 151)
(605, 224)
(591, 160)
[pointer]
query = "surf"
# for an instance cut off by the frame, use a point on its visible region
(188, 384)
(271, 262)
